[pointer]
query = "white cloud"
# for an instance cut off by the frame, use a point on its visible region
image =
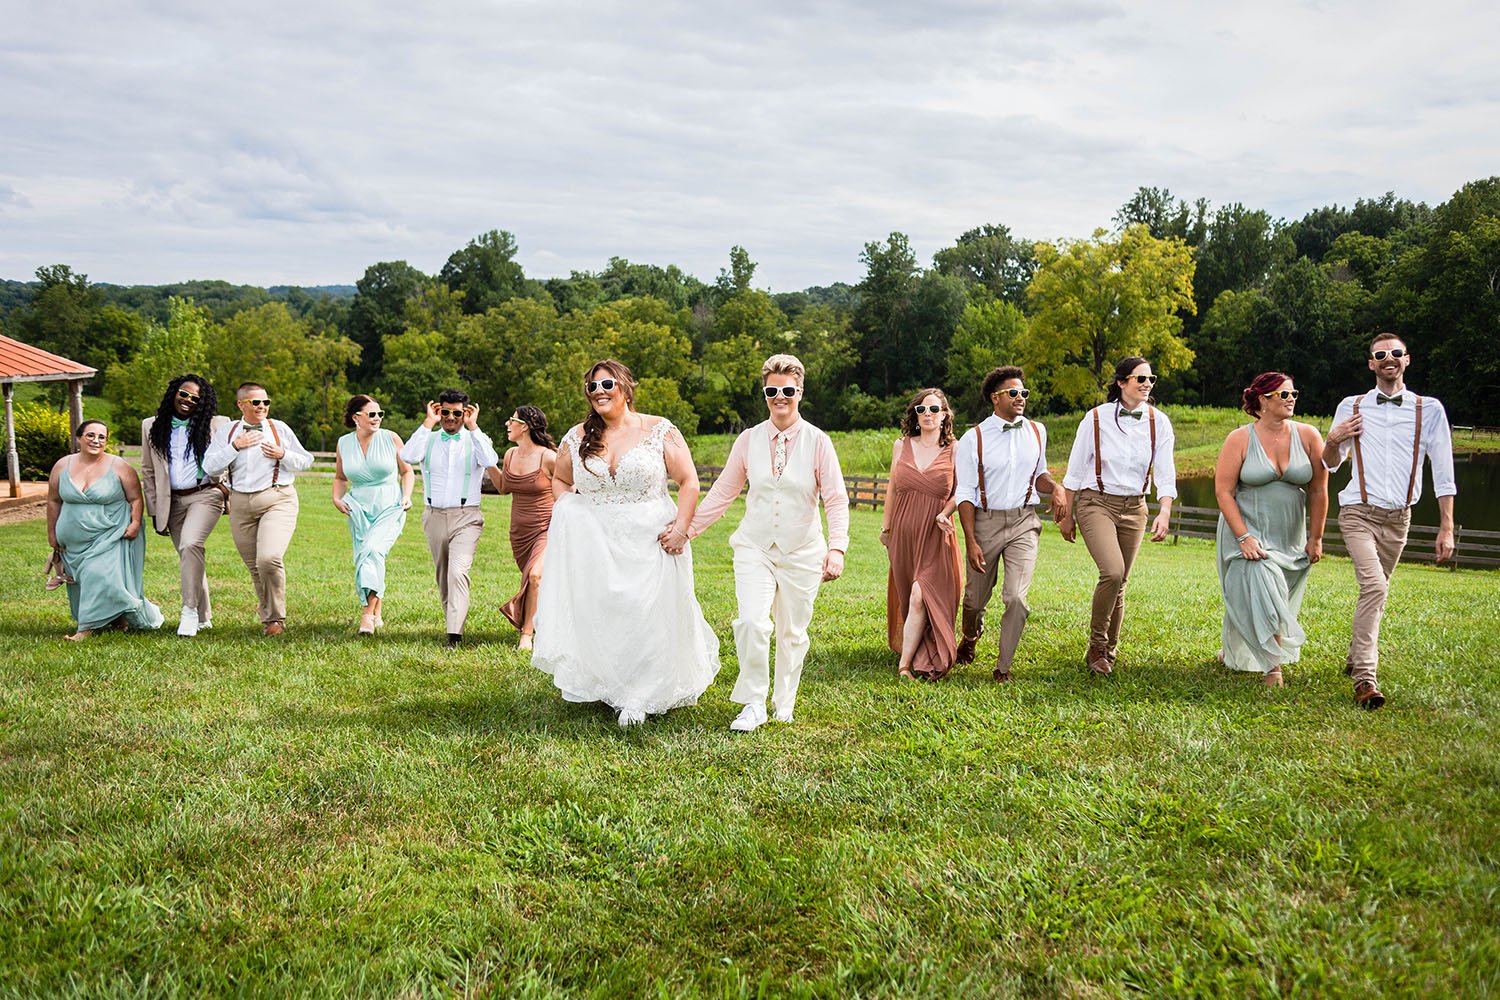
(282, 142)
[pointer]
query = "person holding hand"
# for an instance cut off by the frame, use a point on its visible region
(372, 486)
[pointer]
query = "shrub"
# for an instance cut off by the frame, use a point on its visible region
(41, 439)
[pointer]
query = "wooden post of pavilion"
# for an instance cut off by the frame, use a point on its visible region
(20, 362)
(12, 457)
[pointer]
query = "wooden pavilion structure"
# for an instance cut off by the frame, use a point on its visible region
(23, 363)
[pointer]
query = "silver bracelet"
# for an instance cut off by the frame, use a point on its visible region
(1243, 537)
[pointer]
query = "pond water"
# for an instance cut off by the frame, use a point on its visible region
(1477, 504)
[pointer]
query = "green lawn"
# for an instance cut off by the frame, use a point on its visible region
(322, 815)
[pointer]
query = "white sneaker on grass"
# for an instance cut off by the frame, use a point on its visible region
(751, 718)
(188, 624)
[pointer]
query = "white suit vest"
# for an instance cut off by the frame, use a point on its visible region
(781, 511)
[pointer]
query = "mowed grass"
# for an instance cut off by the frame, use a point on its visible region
(324, 815)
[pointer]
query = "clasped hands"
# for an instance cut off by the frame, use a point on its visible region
(672, 540)
(268, 447)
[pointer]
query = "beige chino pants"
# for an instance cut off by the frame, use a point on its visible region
(1113, 529)
(1375, 538)
(262, 524)
(1012, 536)
(192, 519)
(453, 539)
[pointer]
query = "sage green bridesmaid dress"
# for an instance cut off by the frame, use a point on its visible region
(1263, 597)
(108, 567)
(375, 514)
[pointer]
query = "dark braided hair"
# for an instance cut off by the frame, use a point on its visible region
(536, 426)
(199, 424)
(593, 425)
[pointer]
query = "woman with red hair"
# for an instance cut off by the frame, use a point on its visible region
(1268, 480)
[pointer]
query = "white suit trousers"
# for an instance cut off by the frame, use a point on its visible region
(774, 585)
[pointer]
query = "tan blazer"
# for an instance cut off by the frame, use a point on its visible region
(156, 479)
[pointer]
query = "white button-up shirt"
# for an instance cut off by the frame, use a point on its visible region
(443, 483)
(1385, 444)
(1125, 447)
(1011, 459)
(250, 471)
(182, 466)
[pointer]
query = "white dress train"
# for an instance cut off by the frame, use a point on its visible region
(617, 620)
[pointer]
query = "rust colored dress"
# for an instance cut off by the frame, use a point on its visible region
(530, 511)
(920, 550)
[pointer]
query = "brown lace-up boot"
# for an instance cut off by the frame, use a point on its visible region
(968, 638)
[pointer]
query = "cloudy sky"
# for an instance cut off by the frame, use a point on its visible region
(278, 142)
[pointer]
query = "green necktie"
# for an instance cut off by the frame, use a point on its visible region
(1011, 427)
(179, 422)
(1381, 397)
(1131, 413)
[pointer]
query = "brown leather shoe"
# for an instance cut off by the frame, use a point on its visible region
(1368, 696)
(973, 628)
(1003, 676)
(1098, 661)
(273, 628)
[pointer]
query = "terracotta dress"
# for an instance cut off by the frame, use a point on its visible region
(922, 551)
(530, 512)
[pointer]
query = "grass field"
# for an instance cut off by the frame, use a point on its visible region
(322, 815)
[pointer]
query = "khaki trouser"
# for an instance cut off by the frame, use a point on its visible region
(1113, 529)
(1012, 536)
(192, 519)
(1375, 538)
(772, 584)
(453, 538)
(262, 524)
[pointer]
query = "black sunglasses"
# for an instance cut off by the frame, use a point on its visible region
(257, 402)
(450, 413)
(1283, 393)
(1142, 379)
(184, 394)
(374, 414)
(934, 408)
(1395, 352)
(785, 390)
(604, 383)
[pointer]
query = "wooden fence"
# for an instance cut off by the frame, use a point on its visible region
(1473, 548)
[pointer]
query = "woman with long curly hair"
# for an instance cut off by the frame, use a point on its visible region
(1272, 490)
(617, 620)
(525, 473)
(916, 528)
(182, 500)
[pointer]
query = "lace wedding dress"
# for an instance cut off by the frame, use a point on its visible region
(617, 620)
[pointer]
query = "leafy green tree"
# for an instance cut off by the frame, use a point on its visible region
(1164, 216)
(1095, 301)
(988, 335)
(60, 313)
(728, 378)
(989, 257)
(167, 350)
(378, 310)
(579, 291)
(114, 336)
(485, 271)
(624, 280)
(1357, 257)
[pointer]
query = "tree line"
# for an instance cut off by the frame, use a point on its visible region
(1211, 295)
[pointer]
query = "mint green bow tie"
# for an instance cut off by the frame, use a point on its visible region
(445, 436)
(1381, 397)
(179, 422)
(1137, 414)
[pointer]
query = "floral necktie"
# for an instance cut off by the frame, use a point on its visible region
(778, 457)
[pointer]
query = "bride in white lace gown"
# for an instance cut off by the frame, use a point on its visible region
(617, 620)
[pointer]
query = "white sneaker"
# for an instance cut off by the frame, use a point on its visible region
(205, 625)
(779, 716)
(188, 625)
(629, 718)
(751, 718)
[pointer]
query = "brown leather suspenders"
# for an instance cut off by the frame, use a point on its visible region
(984, 501)
(1416, 458)
(1150, 462)
(275, 469)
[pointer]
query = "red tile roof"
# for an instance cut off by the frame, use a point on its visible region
(24, 363)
